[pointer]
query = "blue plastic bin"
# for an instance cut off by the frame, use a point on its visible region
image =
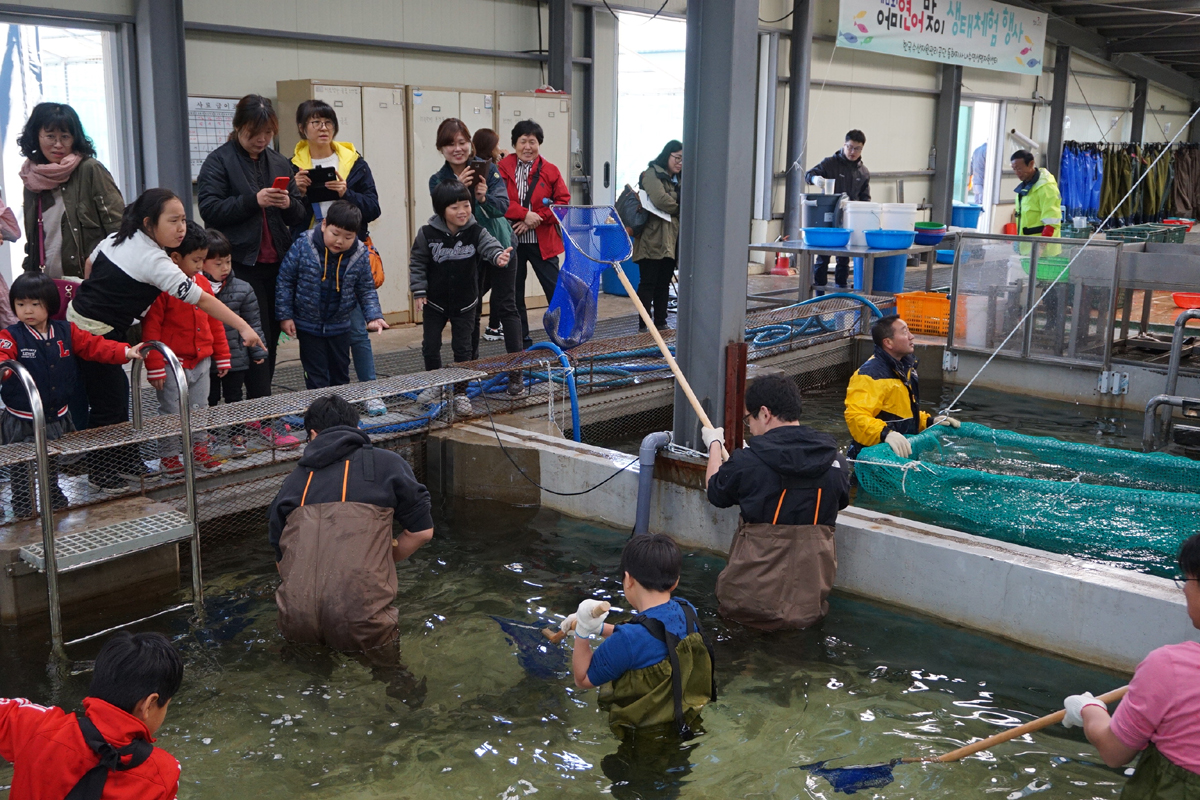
(611, 284)
(965, 215)
(888, 277)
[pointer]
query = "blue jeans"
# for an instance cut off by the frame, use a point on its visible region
(360, 346)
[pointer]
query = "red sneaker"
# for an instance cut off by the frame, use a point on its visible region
(203, 459)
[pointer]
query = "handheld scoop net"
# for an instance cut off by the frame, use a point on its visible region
(593, 240)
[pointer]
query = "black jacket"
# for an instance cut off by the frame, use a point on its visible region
(851, 177)
(753, 476)
(360, 190)
(392, 485)
(443, 267)
(227, 192)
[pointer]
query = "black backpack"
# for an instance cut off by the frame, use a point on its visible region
(629, 209)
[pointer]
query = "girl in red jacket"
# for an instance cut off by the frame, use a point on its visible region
(199, 342)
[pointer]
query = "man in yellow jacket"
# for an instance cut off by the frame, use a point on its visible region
(1039, 204)
(883, 396)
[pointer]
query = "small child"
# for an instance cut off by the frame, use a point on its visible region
(447, 257)
(635, 664)
(197, 339)
(56, 754)
(324, 274)
(239, 296)
(47, 348)
(1160, 715)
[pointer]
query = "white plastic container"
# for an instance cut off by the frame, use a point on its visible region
(861, 217)
(899, 216)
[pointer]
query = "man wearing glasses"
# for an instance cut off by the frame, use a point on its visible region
(790, 481)
(851, 177)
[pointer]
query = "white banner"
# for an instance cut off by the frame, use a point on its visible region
(973, 33)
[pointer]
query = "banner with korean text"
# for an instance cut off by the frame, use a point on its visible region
(973, 33)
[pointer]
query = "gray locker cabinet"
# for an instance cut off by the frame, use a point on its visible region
(344, 96)
(384, 118)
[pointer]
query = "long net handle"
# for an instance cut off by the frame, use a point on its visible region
(1021, 730)
(556, 636)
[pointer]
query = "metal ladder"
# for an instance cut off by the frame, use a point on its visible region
(1156, 431)
(90, 547)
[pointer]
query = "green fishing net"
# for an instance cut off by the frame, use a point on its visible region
(1080, 499)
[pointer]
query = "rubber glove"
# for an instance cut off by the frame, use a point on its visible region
(1074, 706)
(1048, 231)
(710, 435)
(899, 444)
(946, 420)
(586, 625)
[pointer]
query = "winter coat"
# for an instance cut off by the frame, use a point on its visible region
(659, 238)
(851, 177)
(550, 186)
(883, 396)
(360, 184)
(298, 289)
(1038, 204)
(92, 208)
(191, 334)
(444, 267)
(50, 360)
(227, 193)
(49, 754)
(240, 297)
(490, 213)
(751, 478)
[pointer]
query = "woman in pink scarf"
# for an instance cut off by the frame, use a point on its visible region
(71, 200)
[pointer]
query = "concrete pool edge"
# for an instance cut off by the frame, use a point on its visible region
(1101, 615)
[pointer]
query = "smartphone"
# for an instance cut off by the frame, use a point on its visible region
(478, 164)
(281, 183)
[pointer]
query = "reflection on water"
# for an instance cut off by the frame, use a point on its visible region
(464, 718)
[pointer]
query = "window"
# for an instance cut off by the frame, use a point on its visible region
(650, 69)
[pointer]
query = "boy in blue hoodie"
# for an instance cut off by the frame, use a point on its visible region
(325, 274)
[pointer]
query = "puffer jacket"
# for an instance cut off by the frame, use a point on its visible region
(191, 334)
(298, 287)
(851, 177)
(92, 206)
(658, 239)
(360, 184)
(239, 296)
(489, 213)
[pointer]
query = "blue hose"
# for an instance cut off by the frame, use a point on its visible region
(570, 373)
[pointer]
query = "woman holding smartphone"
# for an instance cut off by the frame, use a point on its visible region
(245, 190)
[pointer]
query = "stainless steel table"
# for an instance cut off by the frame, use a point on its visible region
(804, 254)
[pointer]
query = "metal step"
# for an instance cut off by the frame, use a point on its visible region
(1186, 435)
(75, 550)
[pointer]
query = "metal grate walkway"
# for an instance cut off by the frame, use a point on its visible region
(75, 550)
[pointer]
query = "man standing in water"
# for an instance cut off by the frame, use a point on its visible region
(332, 529)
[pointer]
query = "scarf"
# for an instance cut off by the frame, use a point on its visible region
(44, 177)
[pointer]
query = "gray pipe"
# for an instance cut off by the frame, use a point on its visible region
(646, 454)
(1173, 366)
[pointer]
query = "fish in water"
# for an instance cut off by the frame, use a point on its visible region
(851, 779)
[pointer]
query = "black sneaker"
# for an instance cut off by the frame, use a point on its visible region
(516, 384)
(493, 334)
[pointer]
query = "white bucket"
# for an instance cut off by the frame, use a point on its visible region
(899, 216)
(861, 217)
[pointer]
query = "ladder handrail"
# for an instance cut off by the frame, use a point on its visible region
(1173, 365)
(44, 499)
(189, 468)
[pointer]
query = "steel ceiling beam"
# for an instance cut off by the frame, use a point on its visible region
(1164, 44)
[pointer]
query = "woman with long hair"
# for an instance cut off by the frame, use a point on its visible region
(655, 249)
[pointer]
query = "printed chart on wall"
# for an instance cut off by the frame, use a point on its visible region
(973, 33)
(210, 119)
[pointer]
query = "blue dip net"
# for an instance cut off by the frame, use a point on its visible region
(594, 240)
(1079, 499)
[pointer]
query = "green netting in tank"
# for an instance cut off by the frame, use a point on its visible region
(1081, 499)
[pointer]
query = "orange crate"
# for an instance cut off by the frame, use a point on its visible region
(925, 312)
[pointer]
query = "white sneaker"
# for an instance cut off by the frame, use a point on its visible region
(430, 396)
(376, 408)
(462, 406)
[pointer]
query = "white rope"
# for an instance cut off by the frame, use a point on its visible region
(1021, 322)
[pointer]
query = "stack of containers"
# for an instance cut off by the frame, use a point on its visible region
(889, 272)
(861, 217)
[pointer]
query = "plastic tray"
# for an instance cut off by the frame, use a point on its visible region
(827, 237)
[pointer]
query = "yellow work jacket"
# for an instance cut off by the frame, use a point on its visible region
(883, 396)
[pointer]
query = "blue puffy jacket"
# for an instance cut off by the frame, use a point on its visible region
(300, 297)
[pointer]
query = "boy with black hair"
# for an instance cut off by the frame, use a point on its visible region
(324, 275)
(658, 667)
(1160, 715)
(197, 340)
(444, 267)
(107, 752)
(48, 349)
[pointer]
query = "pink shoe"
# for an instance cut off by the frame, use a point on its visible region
(283, 441)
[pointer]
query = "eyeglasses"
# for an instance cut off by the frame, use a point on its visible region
(321, 124)
(746, 419)
(1181, 581)
(677, 157)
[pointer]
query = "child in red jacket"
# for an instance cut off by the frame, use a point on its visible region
(199, 342)
(56, 754)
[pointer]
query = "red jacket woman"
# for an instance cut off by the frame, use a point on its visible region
(546, 182)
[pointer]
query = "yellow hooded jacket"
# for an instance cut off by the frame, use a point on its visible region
(883, 396)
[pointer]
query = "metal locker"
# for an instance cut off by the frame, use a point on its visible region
(345, 97)
(383, 124)
(477, 109)
(428, 108)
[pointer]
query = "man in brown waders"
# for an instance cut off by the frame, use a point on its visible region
(335, 542)
(790, 482)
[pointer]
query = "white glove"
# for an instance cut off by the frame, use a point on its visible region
(899, 444)
(1074, 706)
(586, 625)
(710, 435)
(568, 624)
(818, 180)
(946, 420)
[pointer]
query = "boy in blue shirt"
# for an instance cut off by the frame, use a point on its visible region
(659, 666)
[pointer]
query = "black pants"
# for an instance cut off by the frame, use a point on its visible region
(502, 281)
(654, 288)
(261, 278)
(461, 325)
(325, 359)
(546, 270)
(841, 273)
(108, 401)
(230, 386)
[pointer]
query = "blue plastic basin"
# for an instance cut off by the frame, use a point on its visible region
(827, 237)
(965, 215)
(945, 256)
(929, 237)
(890, 240)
